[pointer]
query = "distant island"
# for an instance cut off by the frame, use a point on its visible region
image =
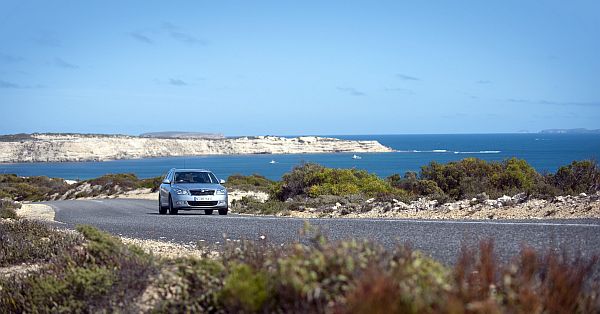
(53, 147)
(570, 131)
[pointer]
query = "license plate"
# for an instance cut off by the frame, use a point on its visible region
(201, 198)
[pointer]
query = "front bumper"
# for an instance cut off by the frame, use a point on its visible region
(199, 202)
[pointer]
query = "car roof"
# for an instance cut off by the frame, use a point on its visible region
(190, 170)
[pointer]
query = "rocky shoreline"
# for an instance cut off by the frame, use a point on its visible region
(81, 147)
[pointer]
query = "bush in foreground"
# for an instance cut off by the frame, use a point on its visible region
(25, 241)
(101, 274)
(94, 275)
(7, 209)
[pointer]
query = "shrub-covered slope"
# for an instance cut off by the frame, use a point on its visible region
(95, 272)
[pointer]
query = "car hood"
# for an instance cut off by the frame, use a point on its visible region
(197, 186)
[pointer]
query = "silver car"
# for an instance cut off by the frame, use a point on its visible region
(187, 189)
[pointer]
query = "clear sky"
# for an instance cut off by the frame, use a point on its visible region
(299, 67)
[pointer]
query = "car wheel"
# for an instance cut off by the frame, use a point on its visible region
(223, 211)
(208, 211)
(161, 209)
(172, 210)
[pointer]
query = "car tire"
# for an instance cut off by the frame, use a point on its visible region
(161, 209)
(208, 211)
(223, 211)
(172, 210)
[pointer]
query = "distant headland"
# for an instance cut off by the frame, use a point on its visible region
(570, 131)
(54, 147)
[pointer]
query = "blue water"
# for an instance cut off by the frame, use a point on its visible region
(545, 152)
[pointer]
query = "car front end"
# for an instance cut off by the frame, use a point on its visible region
(187, 197)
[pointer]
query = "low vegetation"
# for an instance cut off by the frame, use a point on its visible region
(7, 209)
(43, 188)
(93, 271)
(471, 176)
(30, 188)
(253, 182)
(111, 184)
(313, 180)
(86, 272)
(25, 241)
(312, 185)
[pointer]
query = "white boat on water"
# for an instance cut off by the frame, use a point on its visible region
(272, 161)
(356, 157)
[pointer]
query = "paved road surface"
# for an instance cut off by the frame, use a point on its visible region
(440, 239)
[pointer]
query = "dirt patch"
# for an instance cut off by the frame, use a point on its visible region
(36, 211)
(18, 270)
(168, 249)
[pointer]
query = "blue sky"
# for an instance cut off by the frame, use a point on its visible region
(303, 67)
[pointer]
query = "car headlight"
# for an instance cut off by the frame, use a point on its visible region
(179, 191)
(221, 192)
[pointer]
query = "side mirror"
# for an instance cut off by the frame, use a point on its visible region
(222, 181)
(166, 181)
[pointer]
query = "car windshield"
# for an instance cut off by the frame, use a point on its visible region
(195, 177)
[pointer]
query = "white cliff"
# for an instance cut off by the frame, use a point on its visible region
(79, 147)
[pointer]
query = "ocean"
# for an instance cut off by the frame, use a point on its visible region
(545, 152)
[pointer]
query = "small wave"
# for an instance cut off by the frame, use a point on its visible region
(408, 151)
(447, 151)
(480, 152)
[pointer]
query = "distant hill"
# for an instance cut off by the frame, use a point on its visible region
(69, 147)
(175, 134)
(570, 131)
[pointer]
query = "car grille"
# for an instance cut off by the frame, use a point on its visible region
(202, 192)
(202, 203)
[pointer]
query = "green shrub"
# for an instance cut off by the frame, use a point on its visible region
(245, 289)
(251, 205)
(322, 275)
(190, 285)
(101, 245)
(412, 184)
(468, 177)
(151, 183)
(8, 213)
(7, 209)
(314, 180)
(460, 179)
(516, 176)
(253, 182)
(578, 177)
(73, 289)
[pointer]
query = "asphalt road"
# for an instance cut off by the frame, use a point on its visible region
(440, 239)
